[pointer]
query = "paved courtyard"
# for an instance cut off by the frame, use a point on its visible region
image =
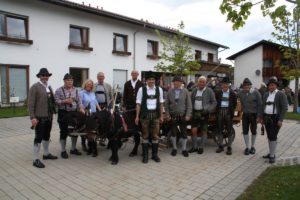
(207, 176)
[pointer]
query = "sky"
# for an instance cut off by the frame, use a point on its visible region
(202, 18)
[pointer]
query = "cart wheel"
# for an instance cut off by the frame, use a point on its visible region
(225, 134)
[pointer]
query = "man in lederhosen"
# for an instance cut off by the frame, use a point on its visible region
(178, 108)
(226, 103)
(251, 102)
(68, 100)
(275, 106)
(203, 102)
(149, 109)
(103, 92)
(131, 88)
(41, 107)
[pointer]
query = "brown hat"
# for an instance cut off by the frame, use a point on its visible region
(274, 80)
(43, 71)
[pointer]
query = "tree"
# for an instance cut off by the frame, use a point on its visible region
(177, 57)
(287, 30)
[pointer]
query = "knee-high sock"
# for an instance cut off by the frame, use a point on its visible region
(253, 139)
(173, 140)
(73, 142)
(46, 147)
(36, 150)
(273, 145)
(199, 141)
(194, 142)
(203, 141)
(63, 145)
(246, 139)
(183, 144)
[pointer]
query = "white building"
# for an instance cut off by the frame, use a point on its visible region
(259, 62)
(66, 37)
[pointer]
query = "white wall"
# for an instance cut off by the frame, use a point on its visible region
(49, 30)
(245, 66)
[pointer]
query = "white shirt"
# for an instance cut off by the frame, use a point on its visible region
(133, 83)
(271, 98)
(198, 103)
(225, 104)
(151, 103)
(46, 86)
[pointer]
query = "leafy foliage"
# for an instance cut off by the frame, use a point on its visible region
(286, 22)
(176, 54)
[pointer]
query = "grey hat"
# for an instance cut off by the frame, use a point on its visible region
(247, 81)
(68, 76)
(274, 80)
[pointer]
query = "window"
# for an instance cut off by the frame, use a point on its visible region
(267, 63)
(14, 28)
(79, 38)
(120, 44)
(198, 55)
(79, 75)
(210, 57)
(14, 82)
(152, 49)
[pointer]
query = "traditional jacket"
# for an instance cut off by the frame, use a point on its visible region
(280, 102)
(209, 101)
(232, 101)
(182, 106)
(129, 94)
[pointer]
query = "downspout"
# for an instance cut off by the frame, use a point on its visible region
(134, 46)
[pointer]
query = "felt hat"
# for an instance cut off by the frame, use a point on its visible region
(43, 71)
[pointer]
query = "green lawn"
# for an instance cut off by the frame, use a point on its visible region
(10, 112)
(276, 183)
(293, 116)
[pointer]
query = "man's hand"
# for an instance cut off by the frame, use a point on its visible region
(187, 118)
(34, 122)
(68, 101)
(161, 119)
(279, 123)
(82, 110)
(137, 121)
(168, 117)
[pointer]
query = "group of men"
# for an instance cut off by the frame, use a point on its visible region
(144, 106)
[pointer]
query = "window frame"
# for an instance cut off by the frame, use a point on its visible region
(155, 47)
(198, 55)
(82, 69)
(122, 53)
(210, 57)
(5, 37)
(7, 88)
(84, 46)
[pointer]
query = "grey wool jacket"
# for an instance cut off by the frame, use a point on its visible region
(281, 104)
(108, 91)
(209, 102)
(38, 101)
(251, 101)
(183, 106)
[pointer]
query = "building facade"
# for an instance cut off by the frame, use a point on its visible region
(259, 62)
(66, 37)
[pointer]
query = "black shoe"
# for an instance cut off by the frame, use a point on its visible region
(246, 152)
(64, 155)
(174, 152)
(200, 151)
(155, 158)
(49, 157)
(266, 156)
(75, 152)
(272, 159)
(37, 163)
(229, 151)
(133, 153)
(84, 147)
(220, 149)
(252, 150)
(192, 150)
(185, 153)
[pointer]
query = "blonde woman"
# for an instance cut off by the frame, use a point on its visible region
(88, 98)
